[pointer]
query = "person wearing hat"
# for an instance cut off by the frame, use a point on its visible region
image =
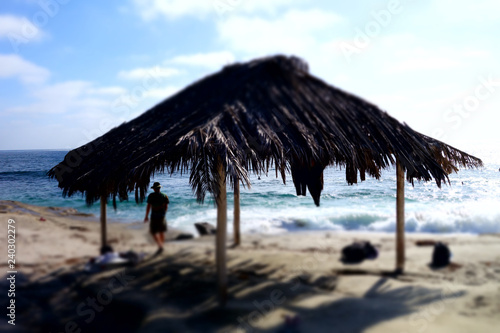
(158, 205)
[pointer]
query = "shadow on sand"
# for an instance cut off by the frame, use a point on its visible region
(176, 293)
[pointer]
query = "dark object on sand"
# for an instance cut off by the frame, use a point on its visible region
(291, 325)
(106, 249)
(441, 255)
(358, 251)
(425, 242)
(205, 228)
(184, 236)
(111, 259)
(133, 257)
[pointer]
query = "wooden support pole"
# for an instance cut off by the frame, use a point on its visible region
(400, 218)
(236, 220)
(220, 240)
(103, 220)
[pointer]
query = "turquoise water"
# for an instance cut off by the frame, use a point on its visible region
(469, 205)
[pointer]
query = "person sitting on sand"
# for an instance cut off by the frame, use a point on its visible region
(158, 205)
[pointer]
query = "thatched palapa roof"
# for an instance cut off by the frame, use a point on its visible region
(251, 116)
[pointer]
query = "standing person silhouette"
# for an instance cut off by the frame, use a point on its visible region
(158, 205)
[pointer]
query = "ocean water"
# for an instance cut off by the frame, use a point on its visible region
(470, 205)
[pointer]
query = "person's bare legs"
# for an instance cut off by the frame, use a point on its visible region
(159, 239)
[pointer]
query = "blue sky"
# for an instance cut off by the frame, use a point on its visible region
(70, 70)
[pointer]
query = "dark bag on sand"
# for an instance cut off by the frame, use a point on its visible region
(358, 251)
(441, 255)
(205, 228)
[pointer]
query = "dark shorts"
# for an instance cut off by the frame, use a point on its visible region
(158, 225)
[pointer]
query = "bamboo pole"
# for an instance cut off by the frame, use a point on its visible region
(103, 220)
(400, 218)
(220, 240)
(236, 220)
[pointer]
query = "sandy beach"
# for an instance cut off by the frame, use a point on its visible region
(291, 282)
(307, 129)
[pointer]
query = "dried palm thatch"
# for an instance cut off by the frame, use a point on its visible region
(249, 117)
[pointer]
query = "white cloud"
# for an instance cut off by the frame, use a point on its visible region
(13, 66)
(10, 24)
(465, 11)
(152, 9)
(212, 60)
(161, 93)
(293, 32)
(173, 9)
(266, 6)
(19, 30)
(69, 97)
(54, 99)
(156, 72)
(436, 59)
(107, 91)
(415, 64)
